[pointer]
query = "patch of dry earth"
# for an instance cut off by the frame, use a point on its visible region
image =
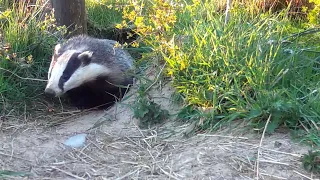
(116, 148)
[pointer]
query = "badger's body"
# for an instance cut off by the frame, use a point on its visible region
(89, 71)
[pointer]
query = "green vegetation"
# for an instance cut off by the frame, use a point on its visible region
(104, 14)
(311, 161)
(27, 38)
(10, 174)
(149, 112)
(257, 65)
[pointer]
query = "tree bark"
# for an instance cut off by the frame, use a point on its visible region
(72, 14)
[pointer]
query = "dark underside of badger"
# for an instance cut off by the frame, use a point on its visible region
(98, 94)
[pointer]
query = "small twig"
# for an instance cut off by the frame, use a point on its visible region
(62, 109)
(281, 152)
(305, 128)
(302, 174)
(139, 130)
(68, 112)
(168, 174)
(273, 176)
(129, 162)
(67, 173)
(32, 79)
(274, 162)
(216, 135)
(315, 125)
(11, 156)
(314, 91)
(259, 149)
(134, 143)
(128, 174)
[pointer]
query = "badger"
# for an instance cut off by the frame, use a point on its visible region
(91, 72)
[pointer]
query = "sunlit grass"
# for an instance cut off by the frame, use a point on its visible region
(248, 69)
(253, 67)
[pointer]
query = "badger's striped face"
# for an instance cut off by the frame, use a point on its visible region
(71, 69)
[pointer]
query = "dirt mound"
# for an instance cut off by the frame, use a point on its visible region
(116, 148)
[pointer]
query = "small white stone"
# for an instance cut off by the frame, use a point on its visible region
(76, 141)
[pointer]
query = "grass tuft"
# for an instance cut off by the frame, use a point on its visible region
(311, 161)
(27, 37)
(245, 69)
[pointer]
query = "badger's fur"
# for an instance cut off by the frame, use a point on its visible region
(89, 71)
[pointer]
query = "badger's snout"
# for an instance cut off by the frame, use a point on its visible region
(50, 92)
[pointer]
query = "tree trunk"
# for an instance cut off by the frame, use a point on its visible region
(72, 14)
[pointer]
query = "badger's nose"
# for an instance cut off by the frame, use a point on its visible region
(50, 92)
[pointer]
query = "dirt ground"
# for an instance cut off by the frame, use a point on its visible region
(116, 148)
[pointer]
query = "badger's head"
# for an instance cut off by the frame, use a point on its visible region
(70, 69)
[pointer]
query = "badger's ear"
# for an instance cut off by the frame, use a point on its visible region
(57, 48)
(85, 57)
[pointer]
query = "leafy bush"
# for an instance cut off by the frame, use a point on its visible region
(314, 13)
(148, 112)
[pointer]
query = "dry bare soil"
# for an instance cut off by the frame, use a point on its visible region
(116, 148)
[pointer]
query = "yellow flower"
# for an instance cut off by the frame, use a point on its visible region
(131, 16)
(119, 26)
(117, 45)
(182, 65)
(29, 59)
(139, 21)
(122, 25)
(135, 44)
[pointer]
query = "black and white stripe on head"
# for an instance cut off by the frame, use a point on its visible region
(71, 69)
(73, 64)
(75, 61)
